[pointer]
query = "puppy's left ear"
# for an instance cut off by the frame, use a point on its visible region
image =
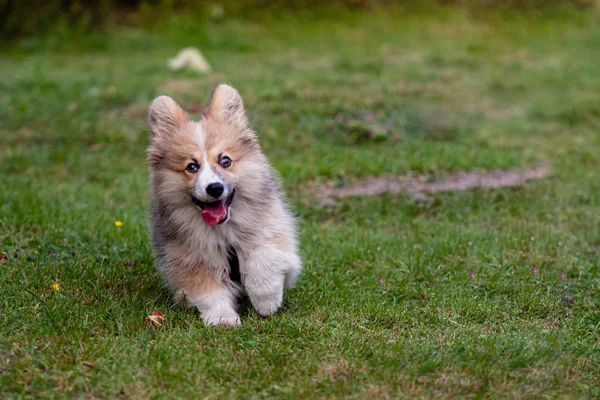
(226, 104)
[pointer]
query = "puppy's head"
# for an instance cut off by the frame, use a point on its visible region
(203, 164)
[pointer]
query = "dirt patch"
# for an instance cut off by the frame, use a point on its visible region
(419, 188)
(334, 370)
(176, 86)
(135, 111)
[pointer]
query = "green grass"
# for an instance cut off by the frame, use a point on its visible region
(475, 294)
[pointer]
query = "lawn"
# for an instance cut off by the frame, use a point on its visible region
(481, 293)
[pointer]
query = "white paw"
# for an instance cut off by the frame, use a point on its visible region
(267, 305)
(221, 319)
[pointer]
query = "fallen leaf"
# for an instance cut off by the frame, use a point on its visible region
(88, 364)
(3, 257)
(156, 319)
(61, 385)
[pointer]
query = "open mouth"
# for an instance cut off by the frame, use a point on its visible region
(214, 212)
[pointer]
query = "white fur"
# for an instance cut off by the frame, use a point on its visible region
(200, 139)
(207, 175)
(216, 307)
(266, 271)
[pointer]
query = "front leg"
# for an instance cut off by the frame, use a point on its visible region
(265, 272)
(213, 298)
(217, 307)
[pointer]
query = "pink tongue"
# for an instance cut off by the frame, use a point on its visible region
(213, 214)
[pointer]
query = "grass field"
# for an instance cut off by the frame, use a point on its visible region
(491, 293)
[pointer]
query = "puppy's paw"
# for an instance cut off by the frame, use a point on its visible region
(266, 305)
(217, 319)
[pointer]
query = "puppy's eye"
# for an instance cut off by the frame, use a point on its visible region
(225, 162)
(192, 167)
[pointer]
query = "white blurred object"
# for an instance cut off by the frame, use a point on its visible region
(190, 58)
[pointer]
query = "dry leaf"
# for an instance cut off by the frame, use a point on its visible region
(3, 257)
(156, 318)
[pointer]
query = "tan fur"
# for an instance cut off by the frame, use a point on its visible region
(190, 278)
(192, 255)
(225, 104)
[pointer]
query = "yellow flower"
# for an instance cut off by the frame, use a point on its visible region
(55, 286)
(118, 223)
(111, 90)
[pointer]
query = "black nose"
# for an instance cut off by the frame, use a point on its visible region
(215, 189)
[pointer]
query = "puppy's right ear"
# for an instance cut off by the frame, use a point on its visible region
(165, 116)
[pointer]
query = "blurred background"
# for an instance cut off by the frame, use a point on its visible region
(484, 292)
(38, 17)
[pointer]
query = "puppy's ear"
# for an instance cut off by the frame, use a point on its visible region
(165, 116)
(226, 104)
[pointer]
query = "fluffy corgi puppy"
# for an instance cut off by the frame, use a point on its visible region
(214, 197)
